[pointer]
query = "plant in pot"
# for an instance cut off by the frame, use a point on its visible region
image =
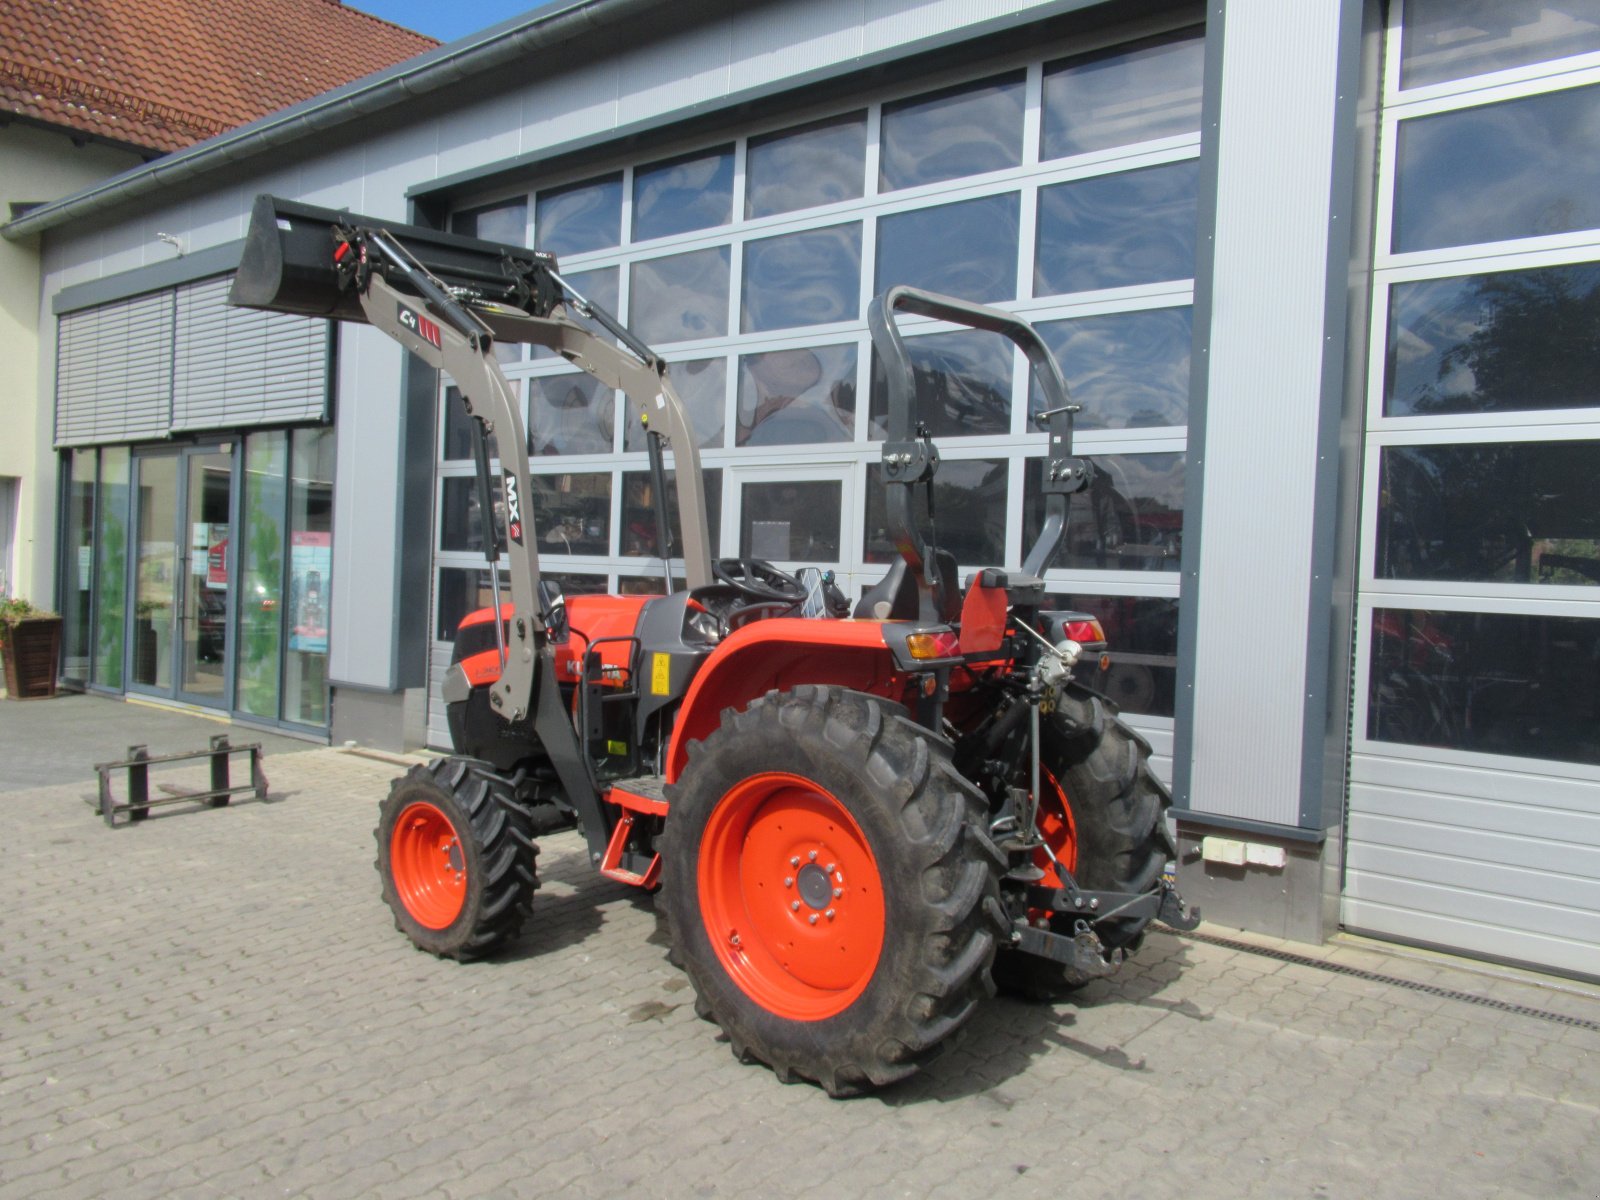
(30, 644)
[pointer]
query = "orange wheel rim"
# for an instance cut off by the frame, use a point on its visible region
(428, 865)
(791, 896)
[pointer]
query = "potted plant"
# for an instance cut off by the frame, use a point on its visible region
(30, 644)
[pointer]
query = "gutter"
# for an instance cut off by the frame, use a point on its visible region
(502, 44)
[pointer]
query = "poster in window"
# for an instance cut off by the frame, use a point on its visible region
(311, 555)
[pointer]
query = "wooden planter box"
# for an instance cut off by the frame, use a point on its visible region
(31, 655)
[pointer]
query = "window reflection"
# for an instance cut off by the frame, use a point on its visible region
(802, 279)
(791, 521)
(963, 385)
(1519, 512)
(460, 525)
(1451, 39)
(680, 297)
(464, 590)
(1117, 230)
(794, 397)
(821, 163)
(1482, 343)
(702, 385)
(961, 131)
(693, 192)
(1521, 168)
(599, 287)
(1142, 634)
(1123, 96)
(1128, 370)
(570, 414)
(579, 217)
(506, 222)
(1129, 519)
(977, 249)
(969, 511)
(1496, 683)
(459, 434)
(572, 513)
(639, 514)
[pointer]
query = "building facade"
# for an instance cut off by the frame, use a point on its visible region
(1321, 276)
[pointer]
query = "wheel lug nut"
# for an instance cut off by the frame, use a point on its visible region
(788, 881)
(812, 918)
(829, 914)
(794, 906)
(837, 892)
(813, 856)
(794, 862)
(830, 867)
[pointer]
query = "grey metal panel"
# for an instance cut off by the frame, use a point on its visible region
(361, 643)
(1502, 863)
(438, 728)
(238, 367)
(1265, 392)
(114, 369)
(197, 265)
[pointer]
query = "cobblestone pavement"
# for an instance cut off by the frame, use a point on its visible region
(215, 1004)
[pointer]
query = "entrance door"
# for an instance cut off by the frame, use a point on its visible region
(178, 633)
(203, 616)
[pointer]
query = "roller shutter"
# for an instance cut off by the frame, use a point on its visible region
(114, 372)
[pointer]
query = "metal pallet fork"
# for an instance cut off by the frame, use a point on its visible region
(138, 764)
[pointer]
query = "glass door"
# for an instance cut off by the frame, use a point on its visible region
(204, 586)
(155, 571)
(793, 516)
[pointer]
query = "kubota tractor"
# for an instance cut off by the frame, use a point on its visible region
(860, 819)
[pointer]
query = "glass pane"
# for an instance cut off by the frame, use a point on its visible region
(266, 469)
(305, 667)
(703, 387)
(680, 297)
(1128, 370)
(574, 584)
(205, 592)
(1122, 96)
(1117, 230)
(464, 590)
(506, 222)
(792, 521)
(572, 513)
(460, 526)
(693, 192)
(969, 498)
(1521, 168)
(78, 565)
(639, 513)
(961, 131)
(1142, 633)
(963, 385)
(646, 585)
(1451, 39)
(977, 241)
(1520, 512)
(599, 287)
(1491, 682)
(796, 397)
(458, 429)
(1482, 343)
(579, 217)
(822, 163)
(156, 576)
(111, 572)
(802, 279)
(1130, 518)
(570, 414)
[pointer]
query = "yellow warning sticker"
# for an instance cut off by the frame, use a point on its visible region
(661, 675)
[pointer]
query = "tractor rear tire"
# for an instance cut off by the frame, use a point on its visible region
(830, 888)
(1115, 838)
(457, 858)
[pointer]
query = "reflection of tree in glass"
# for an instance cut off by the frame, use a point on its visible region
(111, 599)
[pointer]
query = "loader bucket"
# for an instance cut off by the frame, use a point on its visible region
(288, 263)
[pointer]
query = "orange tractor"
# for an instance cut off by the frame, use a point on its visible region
(861, 819)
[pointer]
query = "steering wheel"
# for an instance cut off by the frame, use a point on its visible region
(759, 580)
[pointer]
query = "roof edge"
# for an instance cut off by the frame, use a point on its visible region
(428, 72)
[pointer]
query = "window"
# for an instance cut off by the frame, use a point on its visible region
(966, 130)
(580, 217)
(796, 397)
(820, 163)
(978, 249)
(1128, 370)
(682, 297)
(808, 278)
(683, 194)
(1120, 230)
(969, 504)
(1120, 96)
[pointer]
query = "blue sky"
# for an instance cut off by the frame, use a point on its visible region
(446, 20)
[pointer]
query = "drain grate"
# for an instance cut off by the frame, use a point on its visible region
(1540, 1014)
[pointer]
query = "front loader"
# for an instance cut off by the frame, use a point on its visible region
(858, 820)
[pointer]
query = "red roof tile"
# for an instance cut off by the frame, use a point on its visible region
(164, 74)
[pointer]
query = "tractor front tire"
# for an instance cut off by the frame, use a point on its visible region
(1114, 834)
(457, 858)
(829, 887)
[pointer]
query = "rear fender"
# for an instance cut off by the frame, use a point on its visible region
(782, 653)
